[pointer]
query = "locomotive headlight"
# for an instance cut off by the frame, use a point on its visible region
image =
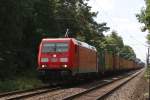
(63, 59)
(44, 59)
(44, 66)
(65, 66)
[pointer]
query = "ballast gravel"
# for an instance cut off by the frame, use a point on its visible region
(135, 89)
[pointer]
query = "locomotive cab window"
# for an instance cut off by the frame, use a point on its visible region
(61, 47)
(48, 47)
(55, 47)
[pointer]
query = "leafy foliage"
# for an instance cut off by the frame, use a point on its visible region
(144, 17)
(114, 44)
(127, 52)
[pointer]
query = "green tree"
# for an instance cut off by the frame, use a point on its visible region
(127, 52)
(113, 42)
(144, 17)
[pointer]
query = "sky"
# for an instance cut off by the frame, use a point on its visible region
(120, 15)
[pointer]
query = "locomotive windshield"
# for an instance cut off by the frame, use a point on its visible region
(54, 47)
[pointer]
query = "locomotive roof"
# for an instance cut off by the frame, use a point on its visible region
(83, 44)
(46, 39)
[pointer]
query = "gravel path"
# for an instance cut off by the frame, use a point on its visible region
(134, 90)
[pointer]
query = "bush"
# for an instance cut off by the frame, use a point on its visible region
(21, 83)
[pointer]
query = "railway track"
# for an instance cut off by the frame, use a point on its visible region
(22, 91)
(84, 91)
(17, 95)
(101, 91)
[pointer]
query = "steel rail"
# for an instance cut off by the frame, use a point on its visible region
(114, 89)
(21, 91)
(99, 86)
(25, 94)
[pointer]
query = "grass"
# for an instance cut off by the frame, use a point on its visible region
(147, 77)
(20, 83)
(147, 73)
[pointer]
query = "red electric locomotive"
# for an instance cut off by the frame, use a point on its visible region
(65, 58)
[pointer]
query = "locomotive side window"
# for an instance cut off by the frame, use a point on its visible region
(54, 47)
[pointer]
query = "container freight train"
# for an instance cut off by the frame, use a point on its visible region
(68, 58)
